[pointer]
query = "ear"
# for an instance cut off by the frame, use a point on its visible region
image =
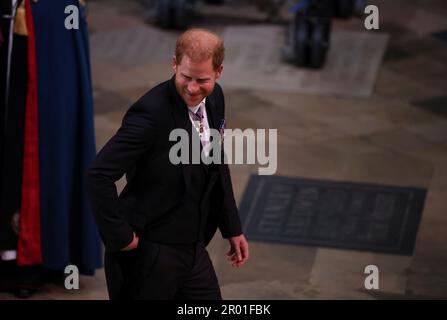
(174, 64)
(219, 71)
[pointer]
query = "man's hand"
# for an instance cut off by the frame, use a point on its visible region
(238, 253)
(133, 244)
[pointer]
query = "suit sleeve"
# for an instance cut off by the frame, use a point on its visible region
(134, 138)
(229, 224)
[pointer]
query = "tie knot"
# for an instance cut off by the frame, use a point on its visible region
(198, 115)
(199, 112)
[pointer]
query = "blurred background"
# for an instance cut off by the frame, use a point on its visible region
(362, 140)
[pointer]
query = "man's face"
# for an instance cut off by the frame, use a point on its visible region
(195, 80)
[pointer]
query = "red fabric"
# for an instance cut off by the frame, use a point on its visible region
(29, 247)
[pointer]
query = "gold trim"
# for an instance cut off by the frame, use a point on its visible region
(20, 21)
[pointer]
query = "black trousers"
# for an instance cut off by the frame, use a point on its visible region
(157, 271)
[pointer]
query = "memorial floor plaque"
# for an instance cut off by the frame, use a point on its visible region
(253, 61)
(332, 214)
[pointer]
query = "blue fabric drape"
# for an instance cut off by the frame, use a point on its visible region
(66, 138)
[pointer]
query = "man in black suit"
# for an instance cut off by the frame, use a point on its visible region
(156, 231)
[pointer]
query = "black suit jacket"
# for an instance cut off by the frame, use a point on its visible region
(155, 187)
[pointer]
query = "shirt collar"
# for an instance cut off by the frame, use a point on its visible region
(195, 108)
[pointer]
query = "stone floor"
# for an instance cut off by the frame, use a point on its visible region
(394, 133)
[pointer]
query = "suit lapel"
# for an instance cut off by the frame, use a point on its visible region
(179, 108)
(181, 119)
(212, 112)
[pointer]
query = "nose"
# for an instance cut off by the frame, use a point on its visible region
(193, 87)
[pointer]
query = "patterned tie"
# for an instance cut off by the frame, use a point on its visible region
(198, 116)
